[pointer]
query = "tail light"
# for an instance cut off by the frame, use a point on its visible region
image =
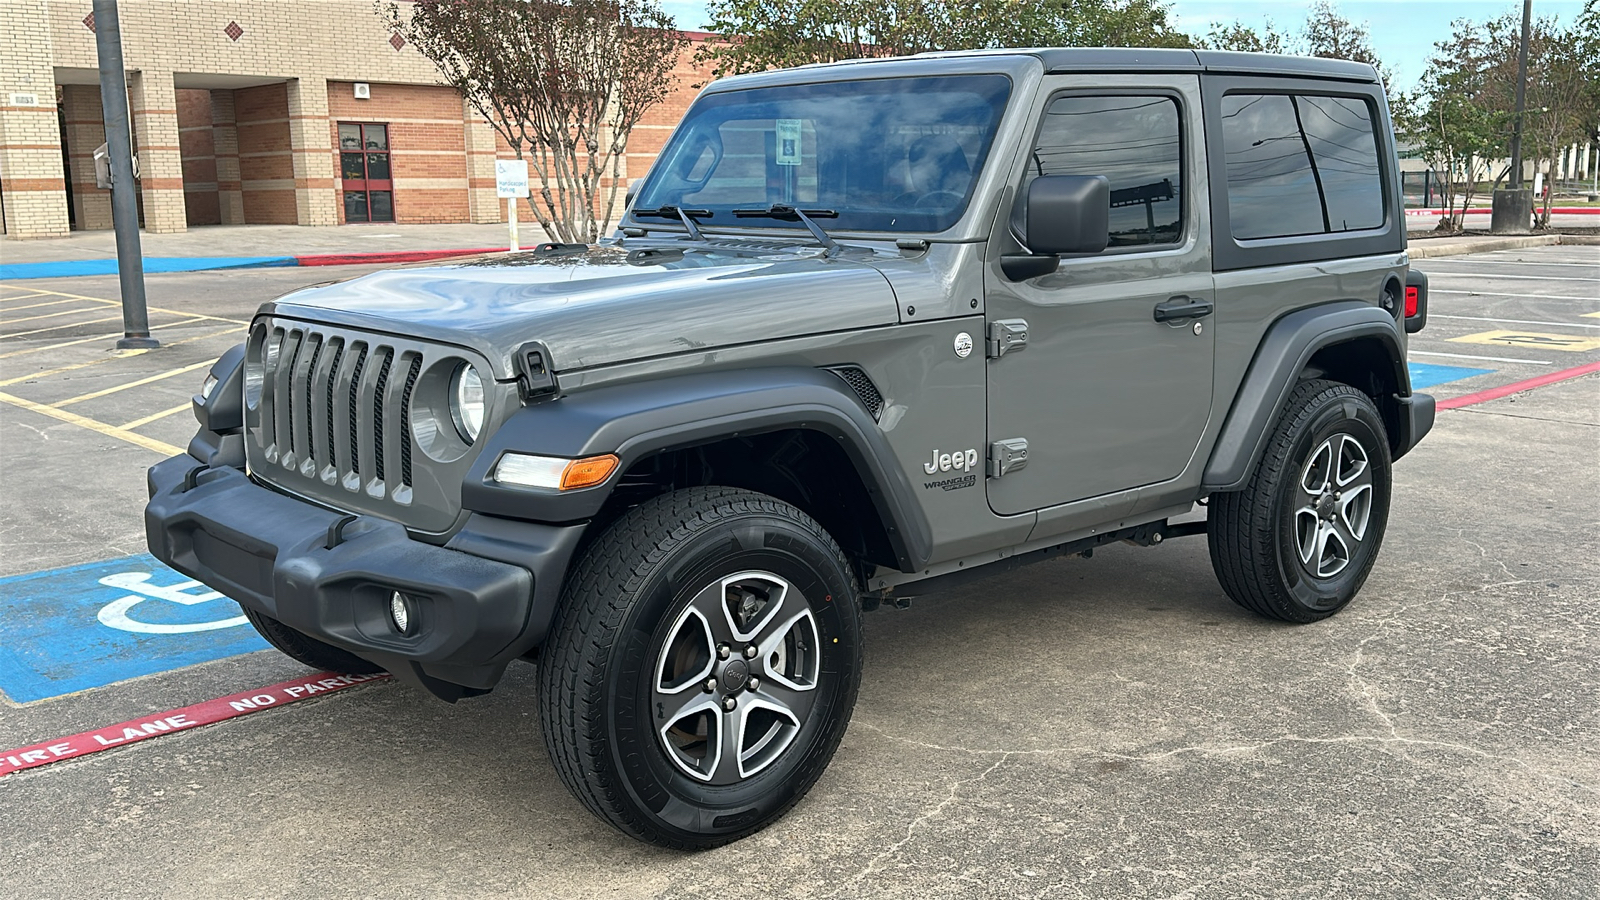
(1411, 300)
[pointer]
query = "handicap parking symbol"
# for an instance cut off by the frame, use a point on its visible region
(82, 627)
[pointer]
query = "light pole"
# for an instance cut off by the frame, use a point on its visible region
(124, 199)
(1512, 212)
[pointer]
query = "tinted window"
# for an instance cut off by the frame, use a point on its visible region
(1134, 143)
(1300, 165)
(899, 154)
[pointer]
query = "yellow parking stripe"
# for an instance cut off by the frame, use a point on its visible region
(6, 337)
(114, 355)
(105, 337)
(32, 292)
(12, 309)
(154, 309)
(1593, 315)
(160, 415)
(132, 384)
(65, 312)
(1575, 343)
(121, 434)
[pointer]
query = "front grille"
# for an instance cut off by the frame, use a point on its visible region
(333, 421)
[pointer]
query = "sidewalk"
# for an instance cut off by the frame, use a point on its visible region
(231, 246)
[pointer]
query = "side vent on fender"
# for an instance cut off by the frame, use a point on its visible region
(861, 383)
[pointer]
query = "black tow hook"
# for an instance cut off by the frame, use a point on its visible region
(336, 531)
(191, 479)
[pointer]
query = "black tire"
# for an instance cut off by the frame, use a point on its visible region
(625, 612)
(309, 650)
(1260, 535)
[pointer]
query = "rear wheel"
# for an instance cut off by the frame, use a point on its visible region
(1298, 541)
(309, 650)
(704, 666)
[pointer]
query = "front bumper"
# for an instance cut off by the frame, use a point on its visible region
(485, 598)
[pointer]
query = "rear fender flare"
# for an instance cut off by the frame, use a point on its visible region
(1285, 351)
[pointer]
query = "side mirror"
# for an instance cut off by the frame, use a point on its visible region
(1065, 214)
(1069, 214)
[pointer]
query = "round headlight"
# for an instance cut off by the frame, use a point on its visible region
(466, 402)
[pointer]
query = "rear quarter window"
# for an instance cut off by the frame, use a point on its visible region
(1300, 164)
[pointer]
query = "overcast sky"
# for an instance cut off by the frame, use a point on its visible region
(1403, 31)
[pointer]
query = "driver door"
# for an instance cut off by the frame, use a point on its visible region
(1107, 396)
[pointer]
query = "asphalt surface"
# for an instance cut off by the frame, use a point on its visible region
(1111, 727)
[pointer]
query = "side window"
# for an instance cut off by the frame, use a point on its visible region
(1300, 165)
(1134, 142)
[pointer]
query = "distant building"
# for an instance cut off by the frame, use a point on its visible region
(306, 112)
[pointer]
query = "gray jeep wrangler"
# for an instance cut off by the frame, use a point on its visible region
(865, 329)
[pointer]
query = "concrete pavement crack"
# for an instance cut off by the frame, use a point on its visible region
(892, 849)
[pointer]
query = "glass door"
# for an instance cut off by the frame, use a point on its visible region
(365, 173)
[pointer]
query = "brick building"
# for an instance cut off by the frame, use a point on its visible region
(306, 112)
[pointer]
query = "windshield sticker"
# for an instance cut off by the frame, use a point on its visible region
(788, 142)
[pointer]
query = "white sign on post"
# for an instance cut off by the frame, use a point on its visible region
(788, 138)
(511, 183)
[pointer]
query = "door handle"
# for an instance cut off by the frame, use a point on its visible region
(1178, 308)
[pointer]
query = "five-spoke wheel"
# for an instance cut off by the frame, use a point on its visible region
(1334, 505)
(1298, 541)
(737, 677)
(704, 666)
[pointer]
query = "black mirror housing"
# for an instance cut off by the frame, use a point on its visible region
(1069, 214)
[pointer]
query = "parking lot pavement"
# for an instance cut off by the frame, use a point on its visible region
(1109, 727)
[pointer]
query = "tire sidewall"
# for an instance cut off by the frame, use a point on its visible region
(1353, 414)
(680, 805)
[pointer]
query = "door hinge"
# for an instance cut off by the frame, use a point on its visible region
(1006, 335)
(1009, 455)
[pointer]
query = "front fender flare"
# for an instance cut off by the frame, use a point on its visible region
(637, 420)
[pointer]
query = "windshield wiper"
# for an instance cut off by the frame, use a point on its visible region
(687, 216)
(803, 216)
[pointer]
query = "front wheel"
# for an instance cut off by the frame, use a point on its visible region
(1298, 541)
(703, 668)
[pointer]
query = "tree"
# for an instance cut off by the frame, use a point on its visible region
(1332, 36)
(1239, 36)
(563, 82)
(1452, 117)
(1561, 95)
(759, 34)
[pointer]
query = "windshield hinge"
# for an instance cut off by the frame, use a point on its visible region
(1006, 335)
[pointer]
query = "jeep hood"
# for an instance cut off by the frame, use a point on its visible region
(607, 305)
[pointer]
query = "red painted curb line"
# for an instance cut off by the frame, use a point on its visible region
(387, 256)
(156, 724)
(1517, 387)
(1483, 211)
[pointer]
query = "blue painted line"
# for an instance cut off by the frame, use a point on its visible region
(1425, 375)
(87, 626)
(74, 268)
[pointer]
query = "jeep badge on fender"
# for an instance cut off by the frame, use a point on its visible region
(672, 469)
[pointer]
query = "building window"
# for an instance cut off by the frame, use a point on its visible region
(1300, 164)
(1134, 142)
(365, 172)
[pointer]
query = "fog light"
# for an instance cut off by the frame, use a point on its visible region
(207, 386)
(400, 612)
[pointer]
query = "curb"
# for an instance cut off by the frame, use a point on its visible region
(1484, 210)
(1421, 250)
(154, 265)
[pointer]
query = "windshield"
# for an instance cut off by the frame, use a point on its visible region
(893, 154)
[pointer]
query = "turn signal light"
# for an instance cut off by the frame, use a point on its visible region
(582, 473)
(554, 473)
(1411, 302)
